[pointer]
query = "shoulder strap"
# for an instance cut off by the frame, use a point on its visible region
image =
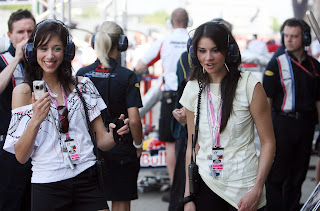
(95, 148)
(195, 137)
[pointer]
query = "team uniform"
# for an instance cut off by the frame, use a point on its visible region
(14, 177)
(168, 50)
(119, 88)
(294, 90)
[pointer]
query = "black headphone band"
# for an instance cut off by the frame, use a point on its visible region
(69, 51)
(39, 25)
(305, 31)
(232, 54)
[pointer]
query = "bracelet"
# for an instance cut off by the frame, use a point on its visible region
(137, 146)
(187, 199)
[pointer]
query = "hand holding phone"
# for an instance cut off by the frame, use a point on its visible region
(39, 88)
(119, 123)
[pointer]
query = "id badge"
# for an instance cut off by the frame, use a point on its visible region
(72, 149)
(215, 161)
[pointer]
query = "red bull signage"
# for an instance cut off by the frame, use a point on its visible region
(153, 153)
(157, 159)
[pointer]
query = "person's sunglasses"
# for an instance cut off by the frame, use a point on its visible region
(64, 122)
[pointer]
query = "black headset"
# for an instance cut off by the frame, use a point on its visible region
(306, 36)
(30, 52)
(232, 53)
(122, 42)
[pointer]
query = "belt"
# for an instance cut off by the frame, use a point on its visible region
(295, 115)
(169, 94)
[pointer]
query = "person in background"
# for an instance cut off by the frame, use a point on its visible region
(291, 82)
(15, 186)
(229, 103)
(53, 130)
(168, 50)
(257, 46)
(119, 88)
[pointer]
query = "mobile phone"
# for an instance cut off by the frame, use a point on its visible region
(119, 123)
(39, 88)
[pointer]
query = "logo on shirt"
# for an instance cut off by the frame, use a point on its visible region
(100, 72)
(268, 73)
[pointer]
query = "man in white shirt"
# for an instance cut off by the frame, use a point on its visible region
(168, 50)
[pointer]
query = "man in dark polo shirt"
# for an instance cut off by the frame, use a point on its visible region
(292, 85)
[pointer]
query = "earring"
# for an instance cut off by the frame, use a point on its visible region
(226, 67)
(203, 70)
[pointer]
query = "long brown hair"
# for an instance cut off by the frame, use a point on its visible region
(222, 38)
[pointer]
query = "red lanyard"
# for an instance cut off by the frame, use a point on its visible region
(303, 68)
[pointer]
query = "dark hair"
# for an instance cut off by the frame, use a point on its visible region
(18, 15)
(293, 22)
(41, 36)
(220, 36)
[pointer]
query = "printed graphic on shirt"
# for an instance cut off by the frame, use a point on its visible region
(100, 72)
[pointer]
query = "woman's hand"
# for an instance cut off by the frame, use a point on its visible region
(250, 201)
(190, 206)
(40, 108)
(124, 129)
(180, 115)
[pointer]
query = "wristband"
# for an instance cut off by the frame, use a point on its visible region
(137, 146)
(187, 199)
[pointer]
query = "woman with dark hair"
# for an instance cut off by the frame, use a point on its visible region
(227, 103)
(119, 88)
(53, 130)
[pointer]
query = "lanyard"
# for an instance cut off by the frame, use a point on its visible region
(303, 68)
(214, 123)
(56, 102)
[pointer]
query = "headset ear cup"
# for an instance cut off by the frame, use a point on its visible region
(306, 39)
(194, 60)
(233, 53)
(122, 43)
(69, 51)
(29, 53)
(92, 40)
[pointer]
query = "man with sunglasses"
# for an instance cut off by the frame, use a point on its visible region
(14, 177)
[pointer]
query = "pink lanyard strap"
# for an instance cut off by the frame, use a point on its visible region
(216, 122)
(56, 102)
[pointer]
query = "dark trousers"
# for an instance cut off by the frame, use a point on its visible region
(15, 182)
(179, 178)
(80, 193)
(288, 172)
(208, 200)
(167, 106)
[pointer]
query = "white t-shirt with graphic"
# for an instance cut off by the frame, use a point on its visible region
(47, 158)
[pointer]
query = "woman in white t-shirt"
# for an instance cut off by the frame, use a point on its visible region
(53, 130)
(232, 176)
